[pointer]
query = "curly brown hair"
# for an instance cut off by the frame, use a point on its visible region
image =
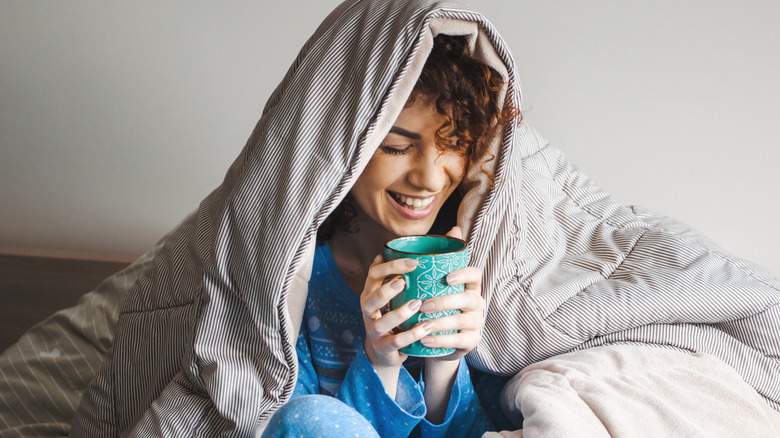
(466, 93)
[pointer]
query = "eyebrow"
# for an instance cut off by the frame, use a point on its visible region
(405, 133)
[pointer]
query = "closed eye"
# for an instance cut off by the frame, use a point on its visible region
(395, 150)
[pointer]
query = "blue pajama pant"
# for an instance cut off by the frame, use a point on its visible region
(318, 416)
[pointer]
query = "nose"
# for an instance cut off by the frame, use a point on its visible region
(429, 171)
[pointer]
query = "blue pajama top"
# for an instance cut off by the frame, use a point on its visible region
(331, 361)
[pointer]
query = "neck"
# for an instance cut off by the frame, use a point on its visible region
(354, 252)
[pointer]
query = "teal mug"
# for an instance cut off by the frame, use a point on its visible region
(436, 257)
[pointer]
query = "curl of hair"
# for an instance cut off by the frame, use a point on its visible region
(466, 93)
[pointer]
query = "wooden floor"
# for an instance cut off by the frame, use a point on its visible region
(32, 288)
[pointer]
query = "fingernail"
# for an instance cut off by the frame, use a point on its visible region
(397, 284)
(428, 326)
(427, 306)
(410, 262)
(452, 279)
(415, 304)
(427, 341)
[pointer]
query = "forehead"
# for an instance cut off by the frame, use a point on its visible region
(419, 116)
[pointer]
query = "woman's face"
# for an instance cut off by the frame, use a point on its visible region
(408, 179)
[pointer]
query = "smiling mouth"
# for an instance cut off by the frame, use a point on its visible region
(417, 204)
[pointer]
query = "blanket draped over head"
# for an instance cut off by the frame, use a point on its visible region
(205, 342)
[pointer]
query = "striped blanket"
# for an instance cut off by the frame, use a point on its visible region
(205, 340)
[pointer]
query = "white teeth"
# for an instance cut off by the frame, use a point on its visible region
(415, 203)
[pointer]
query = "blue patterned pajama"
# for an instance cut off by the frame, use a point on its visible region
(336, 381)
(313, 416)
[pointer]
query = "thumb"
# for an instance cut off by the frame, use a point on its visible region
(455, 232)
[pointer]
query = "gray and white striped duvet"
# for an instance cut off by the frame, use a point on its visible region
(204, 343)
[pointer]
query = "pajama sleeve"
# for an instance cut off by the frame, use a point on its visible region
(364, 391)
(464, 417)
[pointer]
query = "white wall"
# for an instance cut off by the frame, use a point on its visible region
(116, 119)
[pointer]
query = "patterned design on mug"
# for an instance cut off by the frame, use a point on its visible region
(431, 351)
(432, 282)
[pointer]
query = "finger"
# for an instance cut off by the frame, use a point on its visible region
(400, 340)
(455, 232)
(391, 320)
(376, 314)
(465, 340)
(464, 301)
(372, 302)
(377, 260)
(378, 272)
(462, 321)
(470, 276)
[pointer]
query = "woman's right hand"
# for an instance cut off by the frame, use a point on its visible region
(382, 342)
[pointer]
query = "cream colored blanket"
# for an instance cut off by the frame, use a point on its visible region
(635, 391)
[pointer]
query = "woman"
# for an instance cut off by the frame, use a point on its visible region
(444, 126)
(206, 339)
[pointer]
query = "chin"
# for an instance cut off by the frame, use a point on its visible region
(412, 230)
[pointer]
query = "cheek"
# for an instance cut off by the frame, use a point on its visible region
(361, 192)
(368, 186)
(381, 173)
(457, 169)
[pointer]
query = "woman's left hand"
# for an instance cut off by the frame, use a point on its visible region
(468, 322)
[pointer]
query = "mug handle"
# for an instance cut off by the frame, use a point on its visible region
(392, 277)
